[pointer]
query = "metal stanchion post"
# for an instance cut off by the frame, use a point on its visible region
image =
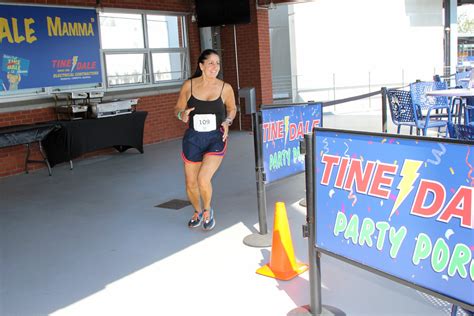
(309, 230)
(384, 109)
(263, 238)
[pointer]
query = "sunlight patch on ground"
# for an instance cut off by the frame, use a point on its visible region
(171, 285)
(299, 208)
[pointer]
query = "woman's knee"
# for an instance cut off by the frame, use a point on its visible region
(203, 181)
(192, 184)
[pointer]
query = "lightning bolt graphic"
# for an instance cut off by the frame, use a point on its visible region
(74, 62)
(409, 175)
(287, 122)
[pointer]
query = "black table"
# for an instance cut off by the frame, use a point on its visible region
(26, 135)
(81, 136)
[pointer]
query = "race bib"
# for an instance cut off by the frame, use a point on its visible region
(204, 122)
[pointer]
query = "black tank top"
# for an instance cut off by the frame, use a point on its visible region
(207, 107)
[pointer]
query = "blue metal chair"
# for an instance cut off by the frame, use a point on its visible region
(401, 109)
(418, 92)
(466, 104)
(459, 131)
(469, 115)
(456, 103)
(404, 112)
(462, 79)
(455, 308)
(441, 85)
(432, 106)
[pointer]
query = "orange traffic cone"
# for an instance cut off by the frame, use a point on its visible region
(283, 265)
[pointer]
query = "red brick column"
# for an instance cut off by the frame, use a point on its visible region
(253, 54)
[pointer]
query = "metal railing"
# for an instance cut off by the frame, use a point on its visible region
(332, 86)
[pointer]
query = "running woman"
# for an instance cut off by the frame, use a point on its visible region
(207, 104)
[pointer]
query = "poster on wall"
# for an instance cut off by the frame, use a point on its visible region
(402, 206)
(282, 130)
(43, 46)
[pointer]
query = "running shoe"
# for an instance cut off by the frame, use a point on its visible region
(209, 223)
(195, 221)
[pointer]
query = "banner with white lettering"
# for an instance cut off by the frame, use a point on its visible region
(43, 46)
(400, 205)
(282, 129)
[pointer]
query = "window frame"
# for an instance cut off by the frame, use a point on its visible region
(150, 82)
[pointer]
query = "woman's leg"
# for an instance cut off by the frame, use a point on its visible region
(191, 171)
(209, 166)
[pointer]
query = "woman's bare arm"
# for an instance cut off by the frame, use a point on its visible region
(184, 95)
(229, 101)
(181, 110)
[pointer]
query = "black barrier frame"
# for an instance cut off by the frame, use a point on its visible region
(263, 238)
(315, 277)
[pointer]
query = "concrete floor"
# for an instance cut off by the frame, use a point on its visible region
(91, 242)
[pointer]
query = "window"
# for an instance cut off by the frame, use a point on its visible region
(143, 49)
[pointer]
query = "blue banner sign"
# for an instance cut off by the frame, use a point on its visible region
(282, 129)
(399, 205)
(48, 46)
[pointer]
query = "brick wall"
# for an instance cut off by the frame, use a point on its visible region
(12, 159)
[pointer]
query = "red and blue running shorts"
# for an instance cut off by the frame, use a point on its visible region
(198, 144)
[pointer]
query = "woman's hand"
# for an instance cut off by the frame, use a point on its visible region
(185, 114)
(225, 125)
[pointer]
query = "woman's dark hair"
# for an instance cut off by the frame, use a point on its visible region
(204, 55)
